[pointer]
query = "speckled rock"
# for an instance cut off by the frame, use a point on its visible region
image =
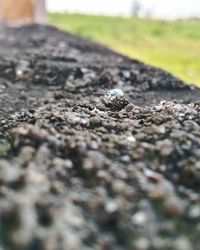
(80, 170)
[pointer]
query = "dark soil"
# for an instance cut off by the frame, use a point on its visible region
(79, 170)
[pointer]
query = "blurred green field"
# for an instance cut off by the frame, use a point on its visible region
(170, 45)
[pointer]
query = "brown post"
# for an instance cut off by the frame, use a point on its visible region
(22, 11)
(18, 11)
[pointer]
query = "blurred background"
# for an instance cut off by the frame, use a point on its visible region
(163, 33)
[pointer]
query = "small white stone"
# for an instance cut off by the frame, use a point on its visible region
(183, 243)
(142, 243)
(111, 206)
(131, 138)
(115, 92)
(139, 218)
(19, 72)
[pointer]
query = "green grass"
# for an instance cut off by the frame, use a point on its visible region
(170, 45)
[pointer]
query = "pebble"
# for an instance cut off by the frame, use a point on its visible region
(174, 206)
(182, 243)
(111, 206)
(139, 218)
(142, 244)
(165, 147)
(194, 212)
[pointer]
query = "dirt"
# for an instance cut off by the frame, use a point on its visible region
(81, 170)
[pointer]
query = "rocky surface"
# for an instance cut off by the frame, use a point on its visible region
(80, 170)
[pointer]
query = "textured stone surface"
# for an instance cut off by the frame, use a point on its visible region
(79, 170)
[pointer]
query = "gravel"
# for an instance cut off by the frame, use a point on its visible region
(80, 170)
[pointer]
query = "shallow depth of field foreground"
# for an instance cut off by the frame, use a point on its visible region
(81, 168)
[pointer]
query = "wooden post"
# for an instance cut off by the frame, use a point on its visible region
(23, 11)
(18, 11)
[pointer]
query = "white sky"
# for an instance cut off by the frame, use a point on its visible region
(161, 8)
